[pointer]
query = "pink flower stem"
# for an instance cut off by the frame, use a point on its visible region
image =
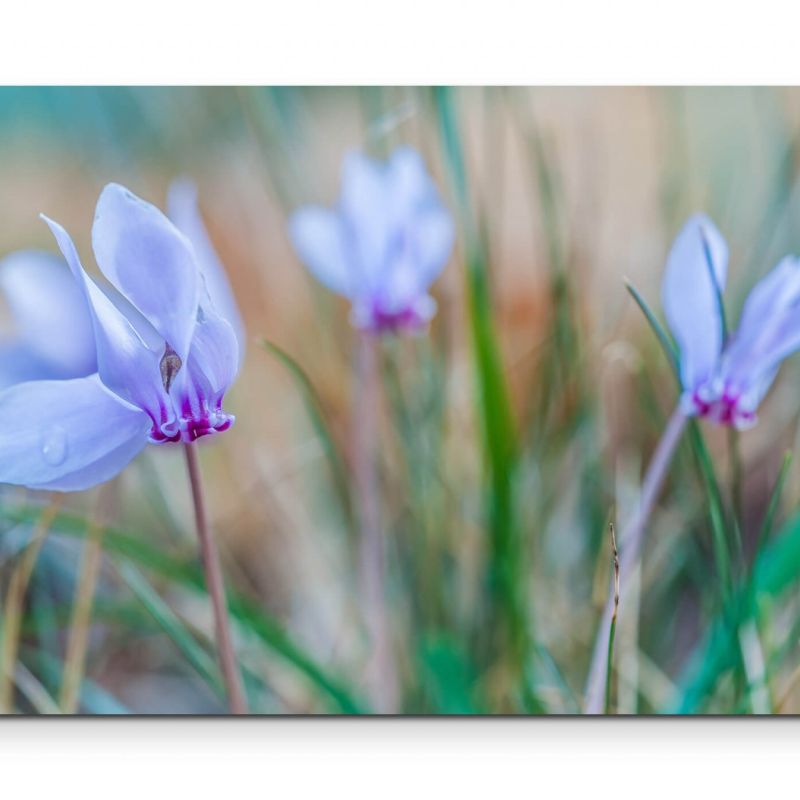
(216, 588)
(381, 674)
(631, 541)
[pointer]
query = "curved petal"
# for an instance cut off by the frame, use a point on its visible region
(411, 185)
(67, 435)
(183, 211)
(150, 261)
(50, 313)
(211, 366)
(369, 215)
(126, 365)
(434, 240)
(691, 298)
(214, 351)
(423, 234)
(751, 399)
(769, 329)
(319, 239)
(420, 254)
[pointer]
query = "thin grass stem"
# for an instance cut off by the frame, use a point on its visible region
(631, 542)
(77, 643)
(613, 629)
(737, 496)
(15, 598)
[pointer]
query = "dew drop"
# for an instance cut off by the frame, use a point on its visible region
(54, 445)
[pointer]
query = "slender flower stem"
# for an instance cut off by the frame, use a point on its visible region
(631, 542)
(381, 674)
(216, 588)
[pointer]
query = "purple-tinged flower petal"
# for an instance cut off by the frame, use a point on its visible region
(750, 400)
(407, 233)
(51, 318)
(434, 237)
(691, 299)
(769, 328)
(67, 435)
(150, 261)
(125, 363)
(410, 184)
(213, 343)
(184, 213)
(319, 239)
(420, 253)
(200, 386)
(367, 215)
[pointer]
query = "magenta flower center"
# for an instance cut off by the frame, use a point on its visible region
(724, 408)
(407, 319)
(194, 412)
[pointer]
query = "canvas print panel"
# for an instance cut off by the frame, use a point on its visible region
(389, 401)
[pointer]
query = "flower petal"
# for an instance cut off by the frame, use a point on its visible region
(67, 435)
(412, 188)
(422, 234)
(183, 211)
(318, 238)
(434, 240)
(690, 297)
(211, 366)
(126, 365)
(749, 402)
(420, 255)
(769, 329)
(50, 313)
(150, 261)
(369, 214)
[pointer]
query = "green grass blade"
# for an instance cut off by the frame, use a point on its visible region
(776, 569)
(774, 501)
(315, 411)
(189, 576)
(667, 345)
(507, 613)
(719, 536)
(169, 622)
(447, 676)
(609, 664)
(712, 274)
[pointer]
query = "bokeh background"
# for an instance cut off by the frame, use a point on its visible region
(510, 435)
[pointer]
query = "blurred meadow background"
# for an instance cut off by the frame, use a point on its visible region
(510, 434)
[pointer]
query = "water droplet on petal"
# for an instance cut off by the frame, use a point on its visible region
(54, 445)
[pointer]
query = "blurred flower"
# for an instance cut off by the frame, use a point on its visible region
(52, 335)
(383, 245)
(165, 354)
(725, 380)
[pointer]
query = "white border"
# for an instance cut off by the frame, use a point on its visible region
(383, 759)
(403, 41)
